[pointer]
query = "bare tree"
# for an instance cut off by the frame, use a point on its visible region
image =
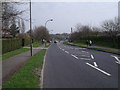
(111, 27)
(83, 30)
(41, 33)
(9, 14)
(96, 31)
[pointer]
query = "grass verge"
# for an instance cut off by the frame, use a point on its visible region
(48, 44)
(99, 49)
(27, 77)
(13, 53)
(37, 44)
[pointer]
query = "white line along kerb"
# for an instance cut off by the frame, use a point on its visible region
(99, 69)
(74, 56)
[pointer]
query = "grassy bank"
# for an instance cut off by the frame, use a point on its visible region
(27, 76)
(13, 53)
(100, 49)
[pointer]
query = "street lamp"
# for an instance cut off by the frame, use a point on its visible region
(30, 30)
(46, 24)
(48, 21)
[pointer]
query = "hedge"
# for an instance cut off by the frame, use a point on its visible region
(12, 44)
(101, 40)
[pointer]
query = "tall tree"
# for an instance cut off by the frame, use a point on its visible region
(111, 27)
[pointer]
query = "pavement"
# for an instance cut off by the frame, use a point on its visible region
(75, 67)
(11, 65)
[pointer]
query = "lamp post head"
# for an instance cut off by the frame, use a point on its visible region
(51, 19)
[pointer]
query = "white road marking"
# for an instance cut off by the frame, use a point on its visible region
(85, 58)
(85, 51)
(99, 69)
(116, 58)
(85, 55)
(117, 62)
(63, 49)
(83, 48)
(95, 64)
(92, 56)
(74, 56)
(67, 52)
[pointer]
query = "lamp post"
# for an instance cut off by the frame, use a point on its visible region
(48, 21)
(30, 30)
(52, 35)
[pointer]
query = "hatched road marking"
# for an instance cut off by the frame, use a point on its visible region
(74, 56)
(99, 69)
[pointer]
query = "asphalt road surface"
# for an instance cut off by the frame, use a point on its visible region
(75, 67)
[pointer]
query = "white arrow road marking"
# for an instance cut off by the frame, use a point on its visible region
(118, 61)
(98, 69)
(95, 64)
(67, 52)
(92, 56)
(74, 56)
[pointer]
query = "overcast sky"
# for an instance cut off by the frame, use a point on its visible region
(67, 14)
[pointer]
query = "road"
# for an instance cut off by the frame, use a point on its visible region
(74, 67)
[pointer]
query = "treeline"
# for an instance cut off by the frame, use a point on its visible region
(107, 35)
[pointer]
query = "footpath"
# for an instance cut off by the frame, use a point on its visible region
(11, 65)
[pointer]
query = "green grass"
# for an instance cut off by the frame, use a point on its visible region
(48, 44)
(37, 44)
(26, 77)
(100, 49)
(13, 53)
